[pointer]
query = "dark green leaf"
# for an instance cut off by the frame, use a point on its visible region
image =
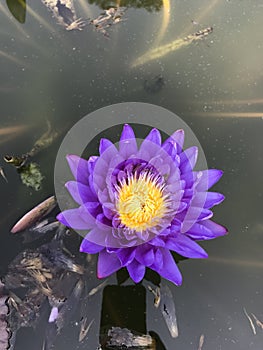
(122, 275)
(18, 9)
(153, 277)
(178, 257)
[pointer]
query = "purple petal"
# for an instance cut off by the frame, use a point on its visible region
(213, 198)
(73, 218)
(103, 195)
(185, 246)
(136, 271)
(145, 254)
(178, 138)
(104, 144)
(126, 255)
(92, 163)
(192, 215)
(157, 242)
(170, 149)
(169, 269)
(53, 314)
(188, 159)
(205, 214)
(158, 258)
(88, 211)
(108, 263)
(189, 178)
(97, 236)
(128, 144)
(206, 230)
(89, 247)
(103, 222)
(80, 193)
(108, 210)
(107, 152)
(154, 136)
(208, 179)
(79, 168)
(103, 236)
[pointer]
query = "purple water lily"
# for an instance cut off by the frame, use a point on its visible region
(140, 202)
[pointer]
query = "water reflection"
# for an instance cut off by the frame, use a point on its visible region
(64, 10)
(48, 282)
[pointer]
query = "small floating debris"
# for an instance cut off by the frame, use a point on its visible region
(258, 323)
(127, 339)
(39, 230)
(168, 310)
(45, 226)
(157, 295)
(2, 173)
(65, 14)
(201, 342)
(154, 85)
(108, 18)
(195, 23)
(84, 328)
(98, 288)
(35, 214)
(250, 322)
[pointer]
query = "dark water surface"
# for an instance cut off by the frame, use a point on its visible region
(215, 85)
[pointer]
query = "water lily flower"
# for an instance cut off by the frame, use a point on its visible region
(137, 203)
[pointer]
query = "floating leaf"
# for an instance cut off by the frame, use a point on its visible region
(31, 176)
(35, 214)
(18, 9)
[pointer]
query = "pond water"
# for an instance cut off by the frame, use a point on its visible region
(214, 84)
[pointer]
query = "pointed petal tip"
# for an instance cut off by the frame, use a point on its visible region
(71, 157)
(68, 184)
(108, 263)
(218, 173)
(225, 230)
(136, 271)
(136, 279)
(179, 282)
(104, 144)
(127, 132)
(178, 137)
(61, 218)
(154, 136)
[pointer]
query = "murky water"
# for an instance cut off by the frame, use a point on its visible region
(215, 85)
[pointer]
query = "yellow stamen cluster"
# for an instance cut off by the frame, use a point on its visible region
(141, 202)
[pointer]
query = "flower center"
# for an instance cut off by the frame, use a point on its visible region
(141, 201)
